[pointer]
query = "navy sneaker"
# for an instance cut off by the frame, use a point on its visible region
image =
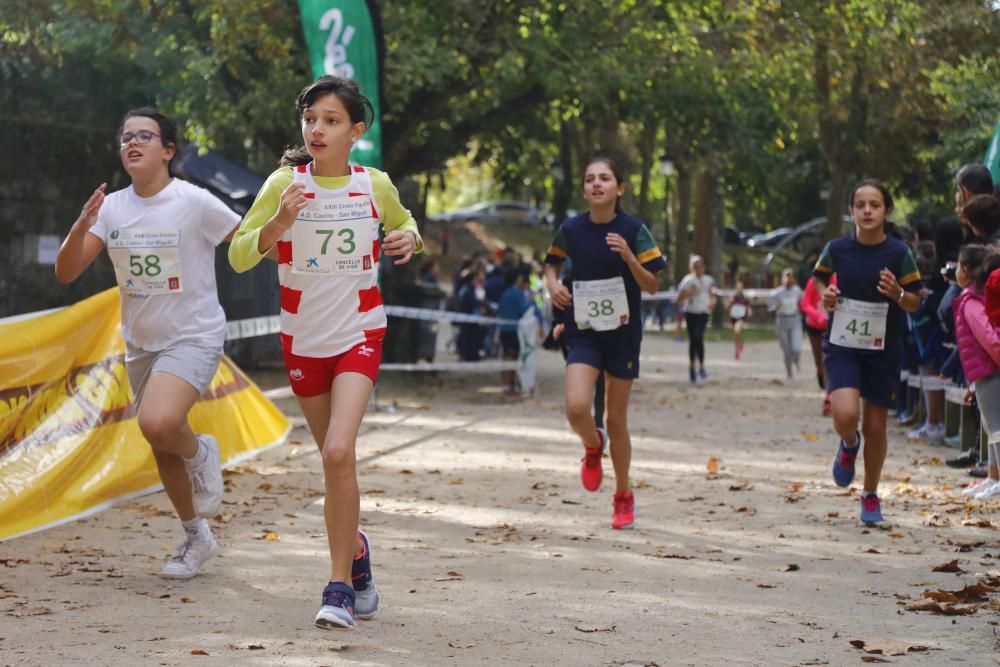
(337, 612)
(702, 373)
(365, 593)
(694, 377)
(871, 509)
(843, 463)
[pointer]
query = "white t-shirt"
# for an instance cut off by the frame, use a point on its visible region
(199, 221)
(699, 290)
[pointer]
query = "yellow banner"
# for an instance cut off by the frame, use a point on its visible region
(69, 442)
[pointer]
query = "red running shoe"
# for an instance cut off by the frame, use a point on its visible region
(591, 472)
(827, 408)
(623, 517)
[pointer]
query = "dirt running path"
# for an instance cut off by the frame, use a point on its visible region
(488, 551)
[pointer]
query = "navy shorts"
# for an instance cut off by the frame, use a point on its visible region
(620, 361)
(874, 374)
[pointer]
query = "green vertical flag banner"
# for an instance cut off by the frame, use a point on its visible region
(344, 38)
(992, 159)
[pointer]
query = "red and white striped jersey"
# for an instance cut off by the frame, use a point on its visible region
(326, 315)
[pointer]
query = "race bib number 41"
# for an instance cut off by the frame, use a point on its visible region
(334, 236)
(859, 324)
(146, 262)
(601, 305)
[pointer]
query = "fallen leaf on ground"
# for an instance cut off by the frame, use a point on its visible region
(887, 646)
(595, 628)
(766, 586)
(950, 566)
(927, 604)
(810, 437)
(269, 536)
(31, 611)
(661, 554)
(256, 647)
(461, 644)
(791, 567)
(873, 658)
(199, 651)
(712, 465)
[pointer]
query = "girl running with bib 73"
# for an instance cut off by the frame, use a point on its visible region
(877, 279)
(161, 234)
(320, 216)
(614, 259)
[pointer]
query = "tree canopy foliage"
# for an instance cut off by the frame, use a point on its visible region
(763, 106)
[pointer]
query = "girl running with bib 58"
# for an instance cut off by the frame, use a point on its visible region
(161, 234)
(319, 216)
(877, 279)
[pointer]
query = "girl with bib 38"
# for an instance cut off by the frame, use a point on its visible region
(161, 234)
(877, 279)
(319, 216)
(614, 259)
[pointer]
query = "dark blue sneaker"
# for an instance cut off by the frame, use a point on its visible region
(843, 463)
(702, 373)
(694, 377)
(871, 509)
(337, 612)
(365, 593)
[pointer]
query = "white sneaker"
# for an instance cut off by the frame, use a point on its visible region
(991, 491)
(918, 433)
(190, 556)
(934, 434)
(206, 480)
(974, 488)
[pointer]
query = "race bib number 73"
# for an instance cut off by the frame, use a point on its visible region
(332, 236)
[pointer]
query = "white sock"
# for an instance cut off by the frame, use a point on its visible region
(199, 457)
(196, 527)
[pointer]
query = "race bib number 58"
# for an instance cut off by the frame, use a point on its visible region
(146, 262)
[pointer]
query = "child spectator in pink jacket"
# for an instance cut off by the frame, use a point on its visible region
(979, 348)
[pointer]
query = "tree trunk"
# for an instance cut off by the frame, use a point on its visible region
(683, 220)
(647, 147)
(835, 205)
(704, 215)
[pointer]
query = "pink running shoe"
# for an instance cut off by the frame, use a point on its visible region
(591, 472)
(623, 517)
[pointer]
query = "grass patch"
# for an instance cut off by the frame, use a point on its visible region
(751, 334)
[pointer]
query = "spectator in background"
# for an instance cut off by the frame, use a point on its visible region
(816, 319)
(698, 294)
(428, 273)
(971, 180)
(982, 214)
(514, 303)
(472, 301)
(784, 303)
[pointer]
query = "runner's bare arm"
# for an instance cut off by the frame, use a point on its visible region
(560, 295)
(646, 278)
(80, 248)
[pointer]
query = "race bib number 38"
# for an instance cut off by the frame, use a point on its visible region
(332, 236)
(859, 324)
(600, 304)
(146, 261)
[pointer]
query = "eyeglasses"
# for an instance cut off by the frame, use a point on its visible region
(141, 137)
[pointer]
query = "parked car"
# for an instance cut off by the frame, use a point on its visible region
(769, 239)
(801, 248)
(492, 212)
(733, 236)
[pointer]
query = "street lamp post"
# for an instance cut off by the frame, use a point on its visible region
(667, 169)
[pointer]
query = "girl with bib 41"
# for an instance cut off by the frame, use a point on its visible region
(614, 259)
(161, 233)
(877, 279)
(319, 216)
